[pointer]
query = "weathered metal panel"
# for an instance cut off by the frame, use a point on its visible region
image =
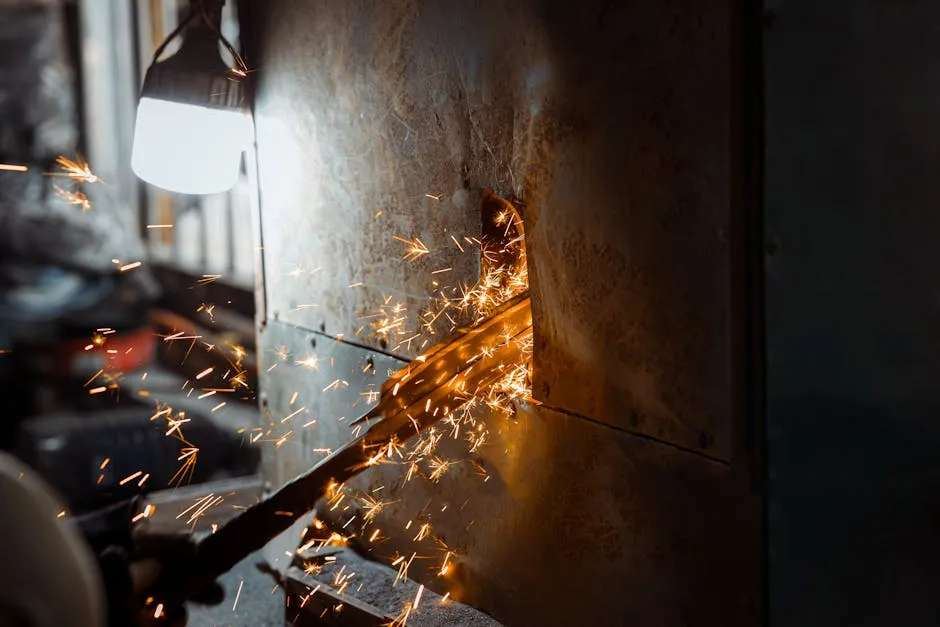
(610, 120)
(306, 377)
(560, 521)
(852, 311)
(554, 507)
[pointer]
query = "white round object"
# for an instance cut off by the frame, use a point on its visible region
(48, 576)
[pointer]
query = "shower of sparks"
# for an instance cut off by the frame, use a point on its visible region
(147, 513)
(415, 248)
(445, 565)
(130, 478)
(371, 396)
(209, 278)
(504, 275)
(188, 457)
(189, 453)
(238, 594)
(371, 507)
(438, 468)
(292, 414)
(403, 567)
(423, 532)
(10, 167)
(198, 509)
(309, 362)
(239, 70)
(402, 619)
(74, 197)
(77, 170)
(208, 309)
(338, 383)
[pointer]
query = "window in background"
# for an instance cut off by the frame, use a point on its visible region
(195, 234)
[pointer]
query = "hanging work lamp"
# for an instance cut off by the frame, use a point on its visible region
(192, 122)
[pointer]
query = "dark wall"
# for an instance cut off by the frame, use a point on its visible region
(853, 311)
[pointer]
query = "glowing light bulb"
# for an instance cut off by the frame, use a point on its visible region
(188, 148)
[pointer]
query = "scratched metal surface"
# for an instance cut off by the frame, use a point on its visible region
(609, 119)
(334, 393)
(572, 510)
(575, 524)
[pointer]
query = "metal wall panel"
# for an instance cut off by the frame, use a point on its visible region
(557, 521)
(852, 311)
(610, 121)
(560, 521)
(307, 377)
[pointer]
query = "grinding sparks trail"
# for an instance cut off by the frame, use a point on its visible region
(504, 275)
(238, 594)
(371, 507)
(465, 419)
(416, 248)
(74, 197)
(77, 170)
(188, 452)
(239, 71)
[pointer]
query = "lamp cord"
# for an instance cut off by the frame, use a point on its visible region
(218, 31)
(176, 31)
(202, 10)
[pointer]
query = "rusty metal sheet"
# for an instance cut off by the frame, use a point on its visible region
(610, 121)
(553, 507)
(559, 521)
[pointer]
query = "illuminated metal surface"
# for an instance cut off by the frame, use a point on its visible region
(611, 122)
(622, 160)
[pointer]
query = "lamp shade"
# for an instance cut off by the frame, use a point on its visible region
(191, 123)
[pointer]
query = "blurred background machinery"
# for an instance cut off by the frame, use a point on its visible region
(86, 288)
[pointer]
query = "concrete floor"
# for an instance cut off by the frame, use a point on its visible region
(260, 603)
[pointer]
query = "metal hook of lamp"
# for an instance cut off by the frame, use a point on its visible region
(192, 124)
